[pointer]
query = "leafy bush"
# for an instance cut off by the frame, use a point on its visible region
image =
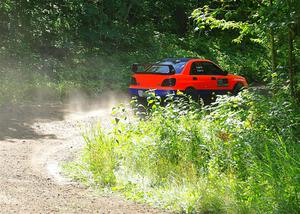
(239, 155)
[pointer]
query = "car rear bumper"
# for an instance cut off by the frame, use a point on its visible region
(142, 92)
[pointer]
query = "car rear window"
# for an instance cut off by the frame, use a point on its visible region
(165, 69)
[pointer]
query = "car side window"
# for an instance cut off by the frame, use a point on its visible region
(212, 69)
(197, 69)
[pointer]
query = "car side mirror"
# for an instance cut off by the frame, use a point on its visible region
(134, 67)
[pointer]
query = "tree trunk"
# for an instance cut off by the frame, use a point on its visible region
(273, 51)
(272, 44)
(291, 61)
(180, 17)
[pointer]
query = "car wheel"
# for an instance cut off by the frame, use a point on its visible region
(192, 92)
(237, 89)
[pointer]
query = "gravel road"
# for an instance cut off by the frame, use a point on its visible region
(34, 140)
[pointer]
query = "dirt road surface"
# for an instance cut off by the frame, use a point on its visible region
(34, 140)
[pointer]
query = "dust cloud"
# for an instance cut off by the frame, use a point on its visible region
(28, 94)
(80, 105)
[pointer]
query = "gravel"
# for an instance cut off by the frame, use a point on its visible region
(34, 140)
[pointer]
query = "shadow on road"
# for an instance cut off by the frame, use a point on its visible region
(16, 121)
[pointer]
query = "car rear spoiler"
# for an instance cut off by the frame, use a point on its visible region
(136, 68)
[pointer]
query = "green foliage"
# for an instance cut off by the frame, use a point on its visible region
(272, 24)
(117, 24)
(239, 155)
(90, 45)
(242, 59)
(250, 18)
(101, 159)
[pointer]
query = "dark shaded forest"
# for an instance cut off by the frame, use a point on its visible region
(89, 44)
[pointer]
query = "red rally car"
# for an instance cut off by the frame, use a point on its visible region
(192, 76)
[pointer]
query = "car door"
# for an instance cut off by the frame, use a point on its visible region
(200, 79)
(218, 80)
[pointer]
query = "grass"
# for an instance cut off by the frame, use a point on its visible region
(239, 155)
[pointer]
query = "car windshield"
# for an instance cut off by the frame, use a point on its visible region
(178, 66)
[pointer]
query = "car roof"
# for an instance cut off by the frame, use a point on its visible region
(186, 59)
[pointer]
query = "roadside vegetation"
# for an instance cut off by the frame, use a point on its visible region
(239, 155)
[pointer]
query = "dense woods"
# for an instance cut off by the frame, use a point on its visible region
(239, 155)
(92, 24)
(71, 32)
(272, 24)
(255, 38)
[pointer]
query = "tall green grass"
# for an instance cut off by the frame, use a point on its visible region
(239, 155)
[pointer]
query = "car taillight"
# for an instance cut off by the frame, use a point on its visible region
(169, 82)
(133, 81)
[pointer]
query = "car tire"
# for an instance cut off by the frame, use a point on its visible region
(191, 92)
(237, 89)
